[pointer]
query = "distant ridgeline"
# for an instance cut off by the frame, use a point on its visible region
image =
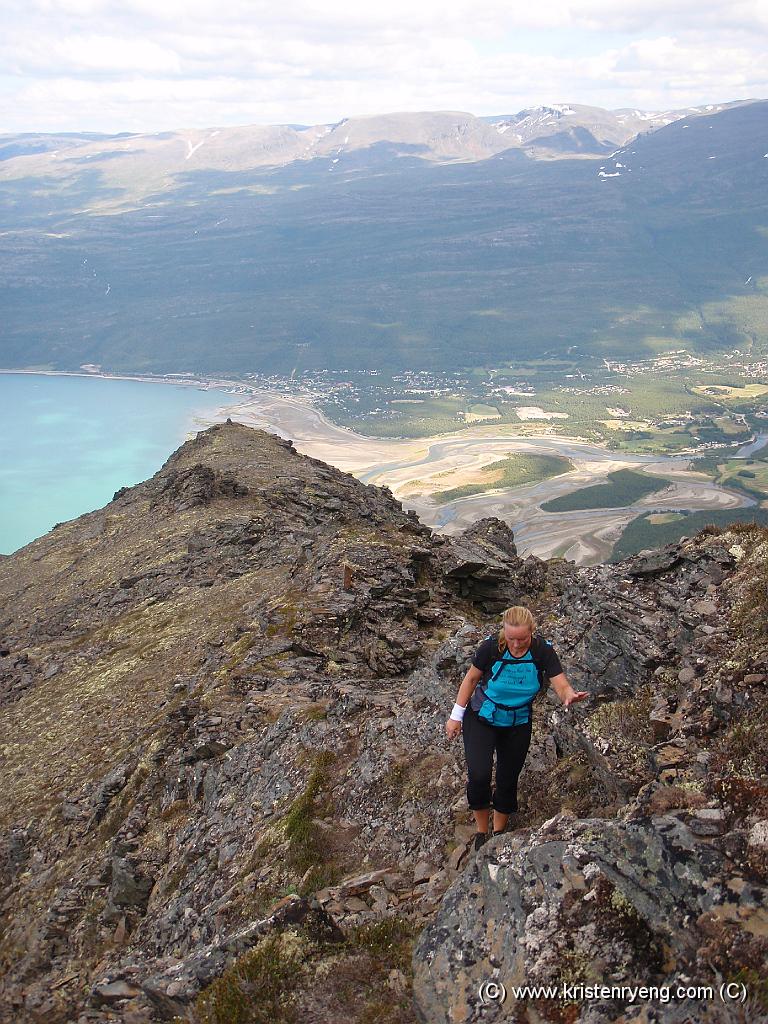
(406, 241)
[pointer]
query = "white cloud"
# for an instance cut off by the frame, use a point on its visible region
(89, 54)
(137, 65)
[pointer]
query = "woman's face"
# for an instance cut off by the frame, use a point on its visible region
(518, 639)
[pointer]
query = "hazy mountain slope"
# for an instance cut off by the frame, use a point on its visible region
(698, 189)
(141, 164)
(371, 256)
(29, 144)
(563, 128)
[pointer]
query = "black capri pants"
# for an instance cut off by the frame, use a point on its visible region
(511, 745)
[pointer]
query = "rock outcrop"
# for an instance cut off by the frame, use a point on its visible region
(228, 784)
(668, 888)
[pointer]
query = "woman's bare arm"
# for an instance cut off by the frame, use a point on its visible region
(463, 697)
(468, 684)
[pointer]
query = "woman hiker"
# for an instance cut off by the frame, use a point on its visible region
(507, 672)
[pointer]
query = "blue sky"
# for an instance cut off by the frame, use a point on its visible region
(135, 65)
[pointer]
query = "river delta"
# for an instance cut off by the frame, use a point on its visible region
(585, 536)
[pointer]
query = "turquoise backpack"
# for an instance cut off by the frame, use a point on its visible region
(507, 696)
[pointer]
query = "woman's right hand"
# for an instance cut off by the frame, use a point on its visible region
(452, 728)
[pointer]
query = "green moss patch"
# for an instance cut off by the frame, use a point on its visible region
(258, 989)
(308, 848)
(366, 979)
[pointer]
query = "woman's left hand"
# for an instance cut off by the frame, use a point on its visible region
(575, 696)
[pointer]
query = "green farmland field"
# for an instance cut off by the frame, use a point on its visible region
(747, 475)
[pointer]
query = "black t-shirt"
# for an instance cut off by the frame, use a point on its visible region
(488, 653)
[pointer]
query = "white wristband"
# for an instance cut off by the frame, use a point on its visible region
(458, 713)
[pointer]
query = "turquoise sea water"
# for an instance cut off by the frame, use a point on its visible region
(68, 443)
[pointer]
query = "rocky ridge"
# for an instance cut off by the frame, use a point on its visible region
(224, 698)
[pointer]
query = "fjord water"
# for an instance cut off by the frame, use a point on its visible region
(68, 443)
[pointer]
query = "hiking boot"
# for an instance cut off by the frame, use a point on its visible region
(480, 838)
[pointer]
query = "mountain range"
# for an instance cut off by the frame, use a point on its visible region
(543, 132)
(402, 240)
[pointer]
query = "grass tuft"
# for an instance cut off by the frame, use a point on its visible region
(257, 989)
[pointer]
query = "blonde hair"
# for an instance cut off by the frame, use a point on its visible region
(517, 615)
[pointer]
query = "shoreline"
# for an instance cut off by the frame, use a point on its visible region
(199, 384)
(77, 445)
(255, 390)
(465, 433)
(218, 384)
(209, 385)
(398, 463)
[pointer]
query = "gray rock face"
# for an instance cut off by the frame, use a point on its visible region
(198, 485)
(579, 903)
(14, 853)
(112, 783)
(18, 674)
(484, 566)
(129, 887)
(623, 622)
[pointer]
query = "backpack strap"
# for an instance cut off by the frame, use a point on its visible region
(503, 660)
(538, 664)
(508, 660)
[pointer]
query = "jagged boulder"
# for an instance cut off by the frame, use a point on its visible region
(198, 485)
(582, 903)
(130, 889)
(483, 566)
(625, 621)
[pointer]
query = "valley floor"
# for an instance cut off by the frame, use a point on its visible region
(411, 468)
